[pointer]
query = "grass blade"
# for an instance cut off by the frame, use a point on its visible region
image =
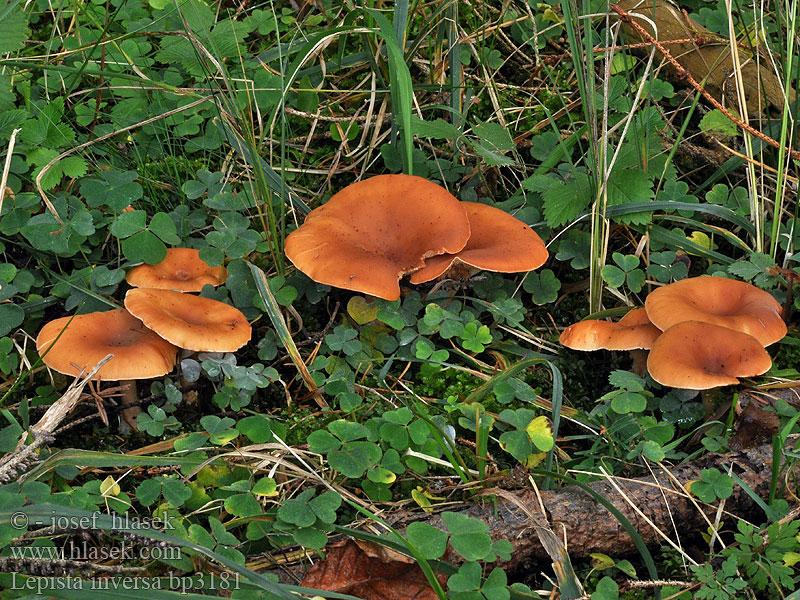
(278, 322)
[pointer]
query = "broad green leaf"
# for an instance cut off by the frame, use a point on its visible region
(430, 541)
(630, 186)
(715, 122)
(144, 247)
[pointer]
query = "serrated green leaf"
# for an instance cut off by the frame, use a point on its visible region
(13, 27)
(437, 129)
(565, 201)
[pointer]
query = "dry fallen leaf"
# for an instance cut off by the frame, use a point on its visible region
(370, 572)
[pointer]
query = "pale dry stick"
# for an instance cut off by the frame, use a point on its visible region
(7, 166)
(691, 498)
(373, 89)
(55, 413)
(666, 503)
(758, 163)
(491, 28)
(684, 73)
(653, 583)
(534, 341)
(66, 153)
(756, 212)
(320, 117)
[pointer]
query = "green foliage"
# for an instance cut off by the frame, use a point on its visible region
(712, 486)
(250, 118)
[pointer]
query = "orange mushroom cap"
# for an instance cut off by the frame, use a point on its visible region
(695, 355)
(373, 232)
(499, 242)
(190, 322)
(720, 301)
(138, 352)
(181, 270)
(631, 332)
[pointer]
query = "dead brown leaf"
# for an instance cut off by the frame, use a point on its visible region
(370, 572)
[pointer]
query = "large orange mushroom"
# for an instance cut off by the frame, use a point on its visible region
(181, 270)
(73, 345)
(190, 322)
(371, 233)
(698, 356)
(85, 339)
(725, 302)
(498, 242)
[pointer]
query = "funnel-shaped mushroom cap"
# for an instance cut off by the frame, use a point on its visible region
(181, 270)
(138, 352)
(724, 302)
(631, 332)
(191, 322)
(375, 231)
(498, 242)
(697, 356)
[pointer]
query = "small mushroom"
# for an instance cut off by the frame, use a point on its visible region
(498, 242)
(72, 345)
(371, 233)
(181, 270)
(720, 301)
(698, 356)
(190, 322)
(633, 332)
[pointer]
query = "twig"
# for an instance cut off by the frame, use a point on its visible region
(48, 566)
(683, 72)
(16, 462)
(7, 166)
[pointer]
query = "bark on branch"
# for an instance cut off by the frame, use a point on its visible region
(656, 505)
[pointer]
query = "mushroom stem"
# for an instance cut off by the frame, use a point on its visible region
(639, 358)
(130, 408)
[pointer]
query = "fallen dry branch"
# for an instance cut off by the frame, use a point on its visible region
(588, 527)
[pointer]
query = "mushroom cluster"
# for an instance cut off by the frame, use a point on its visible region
(144, 336)
(702, 332)
(375, 231)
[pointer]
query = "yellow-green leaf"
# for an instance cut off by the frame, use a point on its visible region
(601, 562)
(790, 559)
(541, 434)
(110, 487)
(361, 310)
(266, 486)
(421, 500)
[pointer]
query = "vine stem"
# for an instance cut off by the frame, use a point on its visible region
(625, 17)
